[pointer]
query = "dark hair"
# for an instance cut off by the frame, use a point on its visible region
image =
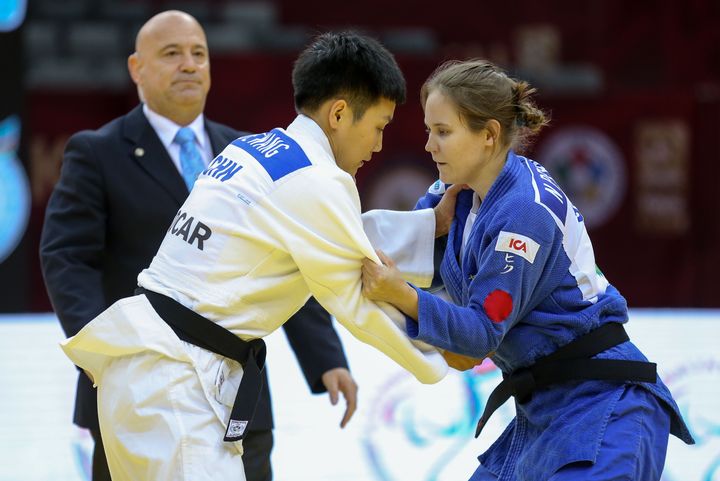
(349, 65)
(482, 91)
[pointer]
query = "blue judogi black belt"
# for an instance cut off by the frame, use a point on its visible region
(193, 328)
(571, 363)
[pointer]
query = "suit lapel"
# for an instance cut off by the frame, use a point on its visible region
(219, 137)
(217, 142)
(146, 149)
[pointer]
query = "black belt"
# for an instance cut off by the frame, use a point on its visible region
(571, 363)
(193, 328)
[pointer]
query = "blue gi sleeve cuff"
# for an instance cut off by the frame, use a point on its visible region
(411, 325)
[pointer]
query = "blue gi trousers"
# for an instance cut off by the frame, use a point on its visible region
(633, 446)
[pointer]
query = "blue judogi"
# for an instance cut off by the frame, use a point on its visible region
(524, 285)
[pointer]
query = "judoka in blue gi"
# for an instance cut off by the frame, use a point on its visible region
(520, 270)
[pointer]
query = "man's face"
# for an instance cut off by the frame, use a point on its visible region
(172, 67)
(357, 139)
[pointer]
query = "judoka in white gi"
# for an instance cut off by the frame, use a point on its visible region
(274, 219)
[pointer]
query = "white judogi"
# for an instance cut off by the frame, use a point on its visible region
(271, 221)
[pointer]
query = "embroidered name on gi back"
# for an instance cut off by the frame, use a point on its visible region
(277, 153)
(518, 244)
(200, 231)
(222, 168)
(550, 193)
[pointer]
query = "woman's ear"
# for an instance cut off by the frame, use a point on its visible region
(493, 129)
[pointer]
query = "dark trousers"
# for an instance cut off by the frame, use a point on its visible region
(100, 471)
(256, 457)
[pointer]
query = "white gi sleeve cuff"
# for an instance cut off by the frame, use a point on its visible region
(408, 238)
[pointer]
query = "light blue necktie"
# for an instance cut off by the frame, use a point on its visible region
(190, 160)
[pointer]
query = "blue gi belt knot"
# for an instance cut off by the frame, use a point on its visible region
(573, 361)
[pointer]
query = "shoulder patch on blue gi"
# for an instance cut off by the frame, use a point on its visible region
(277, 153)
(518, 244)
(437, 188)
(548, 192)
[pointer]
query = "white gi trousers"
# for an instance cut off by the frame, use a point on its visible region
(163, 414)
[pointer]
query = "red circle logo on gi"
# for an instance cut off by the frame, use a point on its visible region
(590, 169)
(498, 305)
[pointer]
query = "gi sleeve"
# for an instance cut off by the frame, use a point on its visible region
(316, 344)
(408, 238)
(509, 268)
(316, 217)
(73, 238)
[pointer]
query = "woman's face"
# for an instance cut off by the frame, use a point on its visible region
(459, 153)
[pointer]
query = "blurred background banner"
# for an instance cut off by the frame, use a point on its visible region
(12, 14)
(402, 431)
(633, 89)
(15, 201)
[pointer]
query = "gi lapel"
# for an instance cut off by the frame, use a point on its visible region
(451, 267)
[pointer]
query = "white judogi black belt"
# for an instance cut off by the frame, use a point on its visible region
(193, 328)
(571, 362)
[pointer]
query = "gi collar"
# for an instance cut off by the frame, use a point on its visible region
(306, 127)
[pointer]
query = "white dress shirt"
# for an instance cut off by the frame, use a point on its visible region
(166, 129)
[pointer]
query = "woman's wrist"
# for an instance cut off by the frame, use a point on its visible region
(408, 301)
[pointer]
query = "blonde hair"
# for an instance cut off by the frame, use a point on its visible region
(481, 91)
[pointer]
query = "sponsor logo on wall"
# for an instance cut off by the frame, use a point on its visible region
(662, 150)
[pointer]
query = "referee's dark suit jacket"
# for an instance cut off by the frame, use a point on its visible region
(117, 194)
